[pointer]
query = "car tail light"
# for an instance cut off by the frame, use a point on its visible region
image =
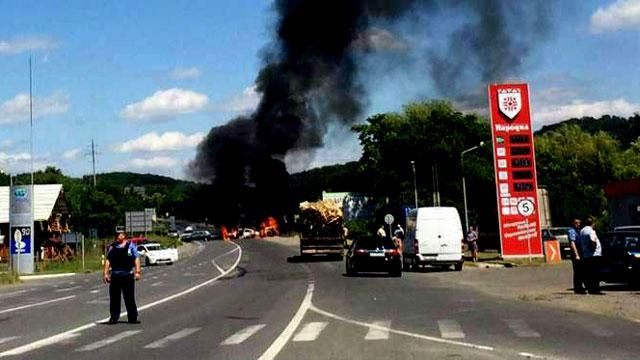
(393, 252)
(361, 251)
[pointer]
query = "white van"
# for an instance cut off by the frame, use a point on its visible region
(433, 237)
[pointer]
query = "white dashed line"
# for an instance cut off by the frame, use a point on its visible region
(7, 339)
(173, 337)
(68, 289)
(242, 335)
(108, 341)
(379, 332)
(310, 331)
(521, 329)
(450, 329)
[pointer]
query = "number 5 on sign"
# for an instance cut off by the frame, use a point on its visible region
(525, 207)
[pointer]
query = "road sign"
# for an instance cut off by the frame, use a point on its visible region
(21, 240)
(139, 221)
(388, 219)
(552, 252)
(21, 228)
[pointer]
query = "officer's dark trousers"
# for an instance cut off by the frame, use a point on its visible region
(125, 285)
(591, 266)
(579, 282)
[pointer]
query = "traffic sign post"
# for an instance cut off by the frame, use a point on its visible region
(388, 219)
(21, 240)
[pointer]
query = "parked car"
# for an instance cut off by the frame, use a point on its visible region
(197, 235)
(247, 233)
(154, 253)
(621, 256)
(374, 254)
(627, 228)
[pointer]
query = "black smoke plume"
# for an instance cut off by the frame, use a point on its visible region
(311, 78)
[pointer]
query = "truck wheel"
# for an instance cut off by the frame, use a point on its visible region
(458, 266)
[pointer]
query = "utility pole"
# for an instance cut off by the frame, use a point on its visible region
(31, 120)
(415, 186)
(93, 160)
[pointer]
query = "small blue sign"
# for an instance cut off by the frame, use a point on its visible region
(21, 240)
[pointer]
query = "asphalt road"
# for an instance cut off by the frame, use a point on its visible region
(257, 300)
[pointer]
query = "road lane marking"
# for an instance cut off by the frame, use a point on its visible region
(597, 330)
(94, 291)
(7, 339)
(242, 335)
(285, 335)
(400, 332)
(216, 265)
(450, 329)
(98, 344)
(68, 289)
(531, 356)
(521, 329)
(379, 332)
(173, 337)
(310, 331)
(69, 339)
(53, 339)
(158, 283)
(10, 294)
(36, 304)
(98, 301)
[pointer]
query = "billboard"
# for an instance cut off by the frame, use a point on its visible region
(354, 206)
(515, 170)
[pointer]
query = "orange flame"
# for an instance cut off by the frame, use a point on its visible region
(269, 227)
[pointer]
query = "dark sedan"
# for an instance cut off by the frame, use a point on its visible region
(621, 256)
(374, 254)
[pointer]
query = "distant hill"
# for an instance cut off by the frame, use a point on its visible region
(625, 130)
(123, 179)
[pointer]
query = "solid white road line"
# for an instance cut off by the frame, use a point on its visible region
(521, 329)
(7, 339)
(379, 332)
(173, 337)
(285, 335)
(108, 341)
(400, 332)
(531, 356)
(242, 335)
(36, 304)
(310, 331)
(56, 338)
(450, 329)
(213, 262)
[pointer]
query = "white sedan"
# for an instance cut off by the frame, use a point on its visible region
(153, 253)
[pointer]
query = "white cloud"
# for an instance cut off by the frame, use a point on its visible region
(169, 141)
(71, 154)
(5, 144)
(18, 163)
(245, 102)
(578, 108)
(622, 14)
(17, 109)
(185, 73)
(166, 103)
(154, 163)
(24, 44)
(377, 39)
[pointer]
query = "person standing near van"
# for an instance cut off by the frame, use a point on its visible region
(591, 255)
(576, 260)
(472, 241)
(381, 232)
(121, 270)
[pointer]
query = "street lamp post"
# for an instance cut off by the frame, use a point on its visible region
(464, 185)
(11, 265)
(415, 186)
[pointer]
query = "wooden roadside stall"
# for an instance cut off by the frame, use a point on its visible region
(51, 216)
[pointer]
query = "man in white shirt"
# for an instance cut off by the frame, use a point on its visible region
(591, 255)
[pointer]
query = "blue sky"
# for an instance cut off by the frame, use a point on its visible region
(147, 80)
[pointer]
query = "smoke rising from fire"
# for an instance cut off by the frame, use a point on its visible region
(311, 78)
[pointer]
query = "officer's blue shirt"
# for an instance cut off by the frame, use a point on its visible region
(573, 235)
(132, 251)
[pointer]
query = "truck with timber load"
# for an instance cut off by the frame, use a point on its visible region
(322, 231)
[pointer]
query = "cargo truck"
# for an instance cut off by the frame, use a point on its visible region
(321, 231)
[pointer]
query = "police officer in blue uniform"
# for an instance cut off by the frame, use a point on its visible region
(121, 270)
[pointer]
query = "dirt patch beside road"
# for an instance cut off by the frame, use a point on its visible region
(549, 285)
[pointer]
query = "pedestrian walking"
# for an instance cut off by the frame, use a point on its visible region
(121, 270)
(576, 259)
(591, 256)
(472, 242)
